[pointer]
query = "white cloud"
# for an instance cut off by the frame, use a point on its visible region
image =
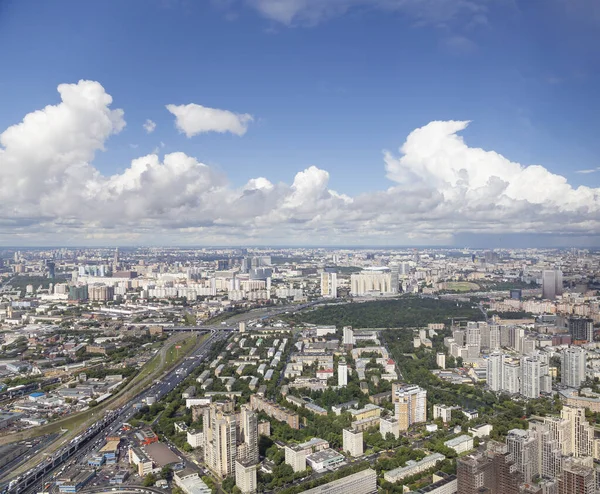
(51, 192)
(149, 126)
(589, 170)
(195, 119)
(435, 12)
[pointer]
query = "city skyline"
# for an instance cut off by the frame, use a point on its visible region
(394, 123)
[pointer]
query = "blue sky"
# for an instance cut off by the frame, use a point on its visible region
(326, 87)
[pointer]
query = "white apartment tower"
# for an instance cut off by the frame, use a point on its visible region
(348, 335)
(342, 373)
(495, 371)
(247, 449)
(511, 379)
(245, 477)
(353, 442)
(572, 366)
(582, 433)
(530, 376)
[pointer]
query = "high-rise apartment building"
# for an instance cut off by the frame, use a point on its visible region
(370, 282)
(245, 476)
(572, 366)
(550, 451)
(494, 472)
(410, 405)
(495, 371)
(342, 373)
(511, 379)
(581, 432)
(577, 478)
(395, 277)
(494, 337)
(530, 376)
(247, 440)
(474, 336)
(560, 431)
(524, 448)
(220, 438)
(473, 474)
(348, 335)
(581, 329)
(328, 285)
(353, 442)
(552, 283)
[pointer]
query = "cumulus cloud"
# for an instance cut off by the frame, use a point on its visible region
(195, 119)
(435, 12)
(441, 187)
(149, 126)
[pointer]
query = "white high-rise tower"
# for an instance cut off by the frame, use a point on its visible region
(342, 373)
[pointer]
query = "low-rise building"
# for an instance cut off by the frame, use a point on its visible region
(326, 459)
(363, 482)
(413, 467)
(460, 444)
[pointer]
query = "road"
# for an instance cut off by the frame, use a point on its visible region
(92, 439)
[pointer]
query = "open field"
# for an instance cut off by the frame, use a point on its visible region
(461, 286)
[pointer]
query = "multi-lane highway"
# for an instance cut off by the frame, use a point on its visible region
(92, 439)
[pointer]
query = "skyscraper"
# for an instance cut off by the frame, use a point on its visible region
(495, 371)
(395, 277)
(247, 440)
(524, 448)
(511, 379)
(220, 438)
(572, 366)
(342, 373)
(581, 434)
(552, 284)
(530, 376)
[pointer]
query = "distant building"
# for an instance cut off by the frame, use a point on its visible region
(552, 283)
(348, 335)
(371, 283)
(328, 285)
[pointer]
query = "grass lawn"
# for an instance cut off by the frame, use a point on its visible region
(461, 286)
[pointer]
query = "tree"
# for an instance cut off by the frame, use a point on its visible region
(228, 484)
(166, 473)
(149, 480)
